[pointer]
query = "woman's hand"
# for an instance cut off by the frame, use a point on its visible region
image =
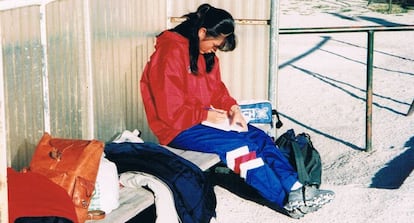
(216, 115)
(236, 117)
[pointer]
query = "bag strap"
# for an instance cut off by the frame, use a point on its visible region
(279, 123)
(300, 164)
(95, 215)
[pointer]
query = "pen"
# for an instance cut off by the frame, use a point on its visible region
(213, 109)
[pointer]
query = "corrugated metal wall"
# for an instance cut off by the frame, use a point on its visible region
(95, 52)
(22, 66)
(91, 86)
(123, 34)
(67, 68)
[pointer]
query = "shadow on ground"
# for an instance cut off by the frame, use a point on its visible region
(346, 143)
(393, 175)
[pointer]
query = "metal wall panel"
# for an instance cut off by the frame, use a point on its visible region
(66, 68)
(123, 34)
(22, 64)
(240, 9)
(245, 71)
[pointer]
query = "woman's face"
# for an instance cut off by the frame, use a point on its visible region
(209, 44)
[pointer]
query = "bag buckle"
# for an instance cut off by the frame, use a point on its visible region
(55, 154)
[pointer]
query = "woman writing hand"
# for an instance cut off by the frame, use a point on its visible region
(216, 115)
(237, 118)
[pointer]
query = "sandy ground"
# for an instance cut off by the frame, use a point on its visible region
(321, 85)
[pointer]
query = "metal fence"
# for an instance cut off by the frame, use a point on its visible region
(370, 30)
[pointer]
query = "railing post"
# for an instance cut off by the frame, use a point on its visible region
(370, 59)
(273, 55)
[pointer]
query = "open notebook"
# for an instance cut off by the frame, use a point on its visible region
(224, 126)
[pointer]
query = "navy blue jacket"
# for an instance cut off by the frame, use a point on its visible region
(194, 196)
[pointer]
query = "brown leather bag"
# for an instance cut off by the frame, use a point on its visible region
(71, 163)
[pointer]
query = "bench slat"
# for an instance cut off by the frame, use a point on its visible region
(202, 160)
(131, 202)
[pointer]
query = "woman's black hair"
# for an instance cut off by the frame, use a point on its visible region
(217, 22)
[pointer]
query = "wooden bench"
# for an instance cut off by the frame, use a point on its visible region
(203, 160)
(131, 202)
(134, 200)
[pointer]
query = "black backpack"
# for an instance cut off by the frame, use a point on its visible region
(302, 155)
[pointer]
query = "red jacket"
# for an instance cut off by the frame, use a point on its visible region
(174, 98)
(33, 195)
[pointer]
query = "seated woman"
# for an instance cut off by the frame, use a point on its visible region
(181, 87)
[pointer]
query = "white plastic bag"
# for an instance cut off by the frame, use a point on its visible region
(106, 194)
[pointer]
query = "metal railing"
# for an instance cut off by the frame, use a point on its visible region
(370, 30)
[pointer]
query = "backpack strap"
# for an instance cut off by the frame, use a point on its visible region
(300, 164)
